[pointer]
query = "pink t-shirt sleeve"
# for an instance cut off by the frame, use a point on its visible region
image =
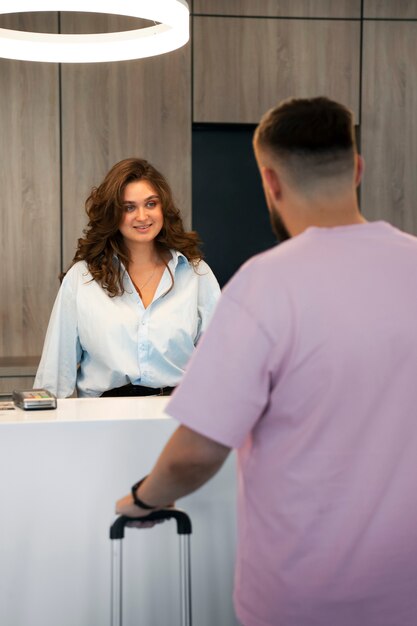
(226, 387)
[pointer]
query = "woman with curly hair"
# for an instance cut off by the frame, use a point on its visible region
(136, 298)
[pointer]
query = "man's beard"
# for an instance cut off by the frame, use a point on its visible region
(278, 226)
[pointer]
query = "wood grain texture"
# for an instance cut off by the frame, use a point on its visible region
(389, 123)
(242, 67)
(18, 366)
(398, 9)
(29, 199)
(21, 383)
(112, 111)
(283, 8)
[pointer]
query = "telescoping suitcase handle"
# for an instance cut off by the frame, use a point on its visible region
(117, 529)
(117, 532)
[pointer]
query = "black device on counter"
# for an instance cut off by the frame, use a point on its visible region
(35, 399)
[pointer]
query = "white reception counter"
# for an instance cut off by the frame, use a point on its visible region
(60, 474)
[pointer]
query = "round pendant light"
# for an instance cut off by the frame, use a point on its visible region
(171, 32)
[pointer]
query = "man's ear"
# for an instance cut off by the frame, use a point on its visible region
(271, 182)
(359, 167)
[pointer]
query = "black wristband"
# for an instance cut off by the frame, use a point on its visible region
(137, 500)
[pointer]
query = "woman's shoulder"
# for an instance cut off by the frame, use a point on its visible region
(201, 268)
(196, 272)
(180, 259)
(77, 269)
(206, 277)
(77, 274)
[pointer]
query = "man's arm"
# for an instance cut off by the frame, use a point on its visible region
(187, 462)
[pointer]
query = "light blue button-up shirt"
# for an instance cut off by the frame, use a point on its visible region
(95, 342)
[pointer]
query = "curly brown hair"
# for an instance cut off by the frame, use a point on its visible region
(102, 239)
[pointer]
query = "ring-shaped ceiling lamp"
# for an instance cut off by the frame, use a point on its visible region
(171, 33)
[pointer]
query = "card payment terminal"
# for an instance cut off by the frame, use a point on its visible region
(39, 399)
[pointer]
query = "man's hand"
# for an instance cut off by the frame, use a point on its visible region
(126, 506)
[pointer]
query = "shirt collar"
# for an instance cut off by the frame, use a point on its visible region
(177, 257)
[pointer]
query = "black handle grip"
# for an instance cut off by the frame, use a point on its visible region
(117, 529)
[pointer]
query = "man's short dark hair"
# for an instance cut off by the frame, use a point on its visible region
(312, 138)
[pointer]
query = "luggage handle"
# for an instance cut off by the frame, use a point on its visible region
(117, 529)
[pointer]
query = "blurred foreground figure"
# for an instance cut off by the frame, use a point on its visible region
(308, 369)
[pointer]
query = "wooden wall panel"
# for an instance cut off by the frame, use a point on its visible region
(242, 67)
(111, 111)
(397, 9)
(283, 8)
(389, 123)
(22, 383)
(29, 199)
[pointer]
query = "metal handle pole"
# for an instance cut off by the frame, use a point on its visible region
(185, 581)
(116, 582)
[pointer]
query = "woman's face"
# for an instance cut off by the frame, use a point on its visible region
(143, 217)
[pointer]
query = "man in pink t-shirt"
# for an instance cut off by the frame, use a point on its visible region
(309, 369)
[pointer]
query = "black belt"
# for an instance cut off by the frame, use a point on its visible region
(137, 390)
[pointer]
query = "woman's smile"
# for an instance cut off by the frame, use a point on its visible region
(143, 213)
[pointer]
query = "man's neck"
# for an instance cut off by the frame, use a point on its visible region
(322, 213)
